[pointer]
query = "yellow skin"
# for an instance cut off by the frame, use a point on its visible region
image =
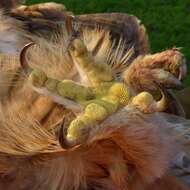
(102, 97)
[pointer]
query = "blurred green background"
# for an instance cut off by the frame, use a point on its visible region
(167, 21)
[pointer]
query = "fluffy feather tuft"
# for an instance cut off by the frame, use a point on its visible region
(129, 155)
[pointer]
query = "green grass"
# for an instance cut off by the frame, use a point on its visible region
(167, 21)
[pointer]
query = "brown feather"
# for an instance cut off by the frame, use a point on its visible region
(128, 155)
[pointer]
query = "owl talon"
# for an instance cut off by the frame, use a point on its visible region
(168, 68)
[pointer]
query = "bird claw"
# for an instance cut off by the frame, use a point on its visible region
(146, 103)
(167, 68)
(166, 78)
(177, 64)
(62, 136)
(73, 135)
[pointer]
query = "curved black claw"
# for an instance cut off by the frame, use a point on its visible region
(61, 135)
(182, 71)
(23, 61)
(172, 105)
